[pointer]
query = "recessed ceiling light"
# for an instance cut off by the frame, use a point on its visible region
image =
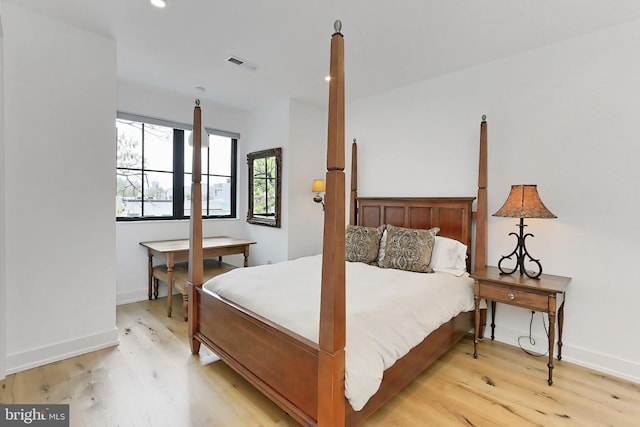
(159, 3)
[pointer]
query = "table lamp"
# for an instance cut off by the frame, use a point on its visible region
(523, 202)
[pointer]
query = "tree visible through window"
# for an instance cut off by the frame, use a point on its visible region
(153, 171)
(265, 177)
(264, 185)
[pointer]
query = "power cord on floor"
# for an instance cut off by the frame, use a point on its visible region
(532, 341)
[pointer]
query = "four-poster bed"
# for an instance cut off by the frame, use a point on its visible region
(304, 377)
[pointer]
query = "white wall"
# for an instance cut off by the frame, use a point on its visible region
(268, 127)
(131, 261)
(301, 131)
(307, 161)
(564, 117)
(59, 157)
(2, 225)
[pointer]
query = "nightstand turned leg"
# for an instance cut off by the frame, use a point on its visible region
(493, 319)
(476, 299)
(552, 333)
(483, 324)
(560, 325)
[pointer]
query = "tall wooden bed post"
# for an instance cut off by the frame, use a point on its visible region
(332, 338)
(304, 378)
(480, 255)
(353, 202)
(196, 263)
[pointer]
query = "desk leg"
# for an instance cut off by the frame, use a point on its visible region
(169, 288)
(476, 300)
(151, 274)
(246, 256)
(552, 333)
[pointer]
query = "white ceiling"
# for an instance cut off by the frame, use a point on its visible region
(388, 43)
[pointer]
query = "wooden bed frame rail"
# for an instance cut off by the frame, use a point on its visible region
(304, 378)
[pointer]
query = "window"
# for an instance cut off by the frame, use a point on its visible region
(265, 182)
(153, 170)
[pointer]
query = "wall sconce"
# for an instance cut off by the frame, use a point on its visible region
(318, 187)
(523, 202)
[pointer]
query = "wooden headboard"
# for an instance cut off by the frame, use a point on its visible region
(451, 214)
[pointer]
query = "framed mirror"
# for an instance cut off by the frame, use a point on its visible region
(265, 180)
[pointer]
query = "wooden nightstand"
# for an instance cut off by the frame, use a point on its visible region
(519, 290)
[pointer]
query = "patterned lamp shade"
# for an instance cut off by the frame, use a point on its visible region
(524, 202)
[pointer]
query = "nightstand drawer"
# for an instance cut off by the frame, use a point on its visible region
(534, 301)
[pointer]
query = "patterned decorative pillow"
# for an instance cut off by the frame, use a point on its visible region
(362, 243)
(409, 249)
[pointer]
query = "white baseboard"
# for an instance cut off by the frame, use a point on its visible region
(133, 296)
(52, 353)
(139, 295)
(625, 369)
(604, 363)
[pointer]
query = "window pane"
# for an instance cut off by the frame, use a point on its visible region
(187, 195)
(219, 155)
(158, 199)
(259, 196)
(271, 196)
(158, 147)
(271, 167)
(259, 168)
(219, 196)
(188, 156)
(128, 193)
(129, 147)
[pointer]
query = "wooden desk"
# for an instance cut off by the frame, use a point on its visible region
(173, 251)
(521, 291)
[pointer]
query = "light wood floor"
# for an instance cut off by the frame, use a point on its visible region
(151, 379)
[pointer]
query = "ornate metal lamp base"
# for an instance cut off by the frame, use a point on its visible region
(520, 252)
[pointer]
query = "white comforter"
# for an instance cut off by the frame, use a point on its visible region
(388, 311)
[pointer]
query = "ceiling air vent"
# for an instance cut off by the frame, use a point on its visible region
(235, 60)
(241, 62)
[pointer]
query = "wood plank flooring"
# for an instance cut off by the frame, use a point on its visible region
(151, 379)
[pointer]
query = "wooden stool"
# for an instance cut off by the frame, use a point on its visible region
(212, 268)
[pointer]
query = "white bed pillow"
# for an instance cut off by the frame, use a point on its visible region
(449, 256)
